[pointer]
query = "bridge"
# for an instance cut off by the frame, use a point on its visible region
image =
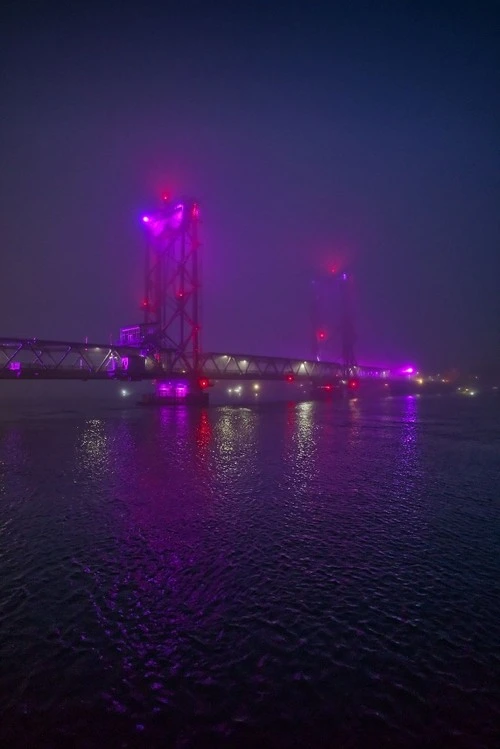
(165, 346)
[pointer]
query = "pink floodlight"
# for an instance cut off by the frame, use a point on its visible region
(146, 219)
(408, 370)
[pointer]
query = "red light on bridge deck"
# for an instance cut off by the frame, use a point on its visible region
(289, 378)
(203, 383)
(353, 384)
(328, 388)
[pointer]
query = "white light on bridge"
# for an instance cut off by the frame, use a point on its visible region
(124, 392)
(256, 386)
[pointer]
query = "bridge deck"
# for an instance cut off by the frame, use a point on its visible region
(41, 359)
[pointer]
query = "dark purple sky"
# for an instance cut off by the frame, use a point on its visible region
(309, 132)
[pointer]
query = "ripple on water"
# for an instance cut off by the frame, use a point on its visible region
(305, 575)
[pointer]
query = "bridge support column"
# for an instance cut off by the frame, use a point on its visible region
(186, 392)
(325, 391)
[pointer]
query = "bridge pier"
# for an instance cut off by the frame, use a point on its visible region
(324, 391)
(186, 392)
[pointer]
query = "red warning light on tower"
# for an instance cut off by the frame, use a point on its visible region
(321, 334)
(165, 196)
(353, 383)
(203, 383)
(289, 378)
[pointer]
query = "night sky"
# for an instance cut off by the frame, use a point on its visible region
(358, 133)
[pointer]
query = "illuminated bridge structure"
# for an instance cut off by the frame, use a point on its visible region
(31, 358)
(165, 347)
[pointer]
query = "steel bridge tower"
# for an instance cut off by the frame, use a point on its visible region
(171, 303)
(347, 332)
(332, 315)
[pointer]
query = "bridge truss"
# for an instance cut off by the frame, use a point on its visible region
(30, 358)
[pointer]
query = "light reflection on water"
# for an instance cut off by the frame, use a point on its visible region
(252, 575)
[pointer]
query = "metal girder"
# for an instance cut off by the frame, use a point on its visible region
(172, 284)
(245, 366)
(32, 358)
(250, 366)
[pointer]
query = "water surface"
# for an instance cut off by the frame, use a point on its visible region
(308, 574)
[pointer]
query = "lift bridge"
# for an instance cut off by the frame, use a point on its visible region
(165, 347)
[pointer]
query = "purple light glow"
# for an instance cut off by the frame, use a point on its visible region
(408, 370)
(165, 389)
(178, 390)
(146, 219)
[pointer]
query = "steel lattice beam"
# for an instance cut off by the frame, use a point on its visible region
(171, 301)
(32, 358)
